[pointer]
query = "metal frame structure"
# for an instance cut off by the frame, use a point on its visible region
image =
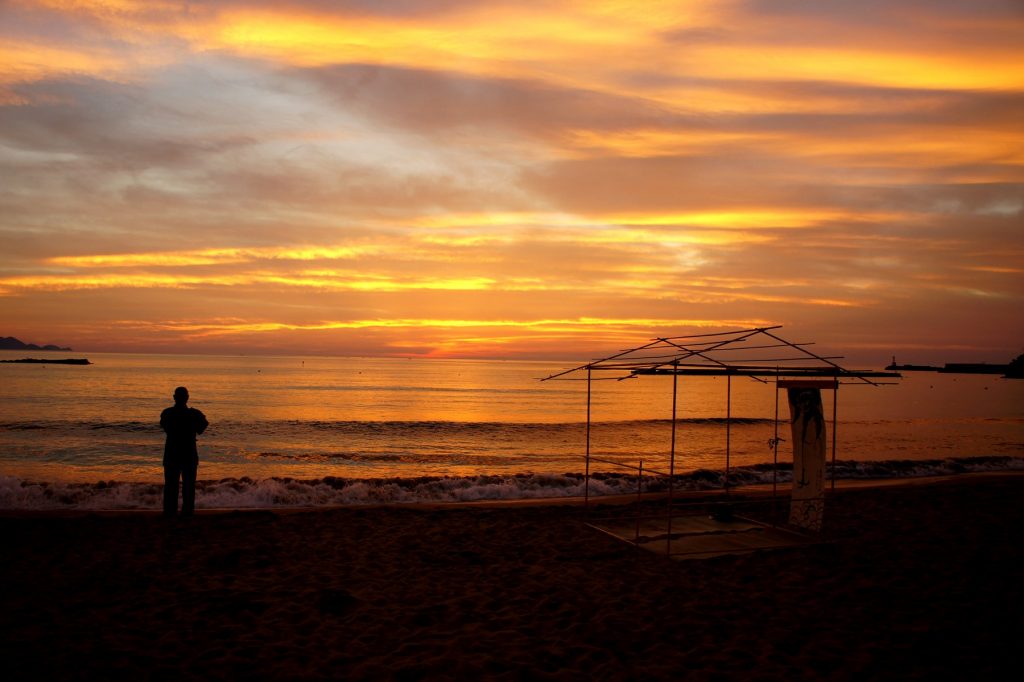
(759, 354)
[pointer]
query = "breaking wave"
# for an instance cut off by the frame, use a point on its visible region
(247, 493)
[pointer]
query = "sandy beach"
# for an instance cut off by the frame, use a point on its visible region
(917, 581)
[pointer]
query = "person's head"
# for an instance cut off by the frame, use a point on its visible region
(180, 395)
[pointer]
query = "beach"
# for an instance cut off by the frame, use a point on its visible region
(920, 580)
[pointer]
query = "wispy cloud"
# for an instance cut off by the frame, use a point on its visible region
(366, 177)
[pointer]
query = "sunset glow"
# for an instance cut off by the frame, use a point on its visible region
(512, 179)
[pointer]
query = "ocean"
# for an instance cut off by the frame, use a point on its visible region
(302, 431)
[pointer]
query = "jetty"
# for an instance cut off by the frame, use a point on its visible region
(1009, 371)
(49, 361)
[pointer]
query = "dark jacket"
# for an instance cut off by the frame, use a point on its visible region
(182, 424)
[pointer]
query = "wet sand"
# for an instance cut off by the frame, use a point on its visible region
(919, 581)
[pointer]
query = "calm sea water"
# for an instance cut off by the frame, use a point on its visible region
(309, 430)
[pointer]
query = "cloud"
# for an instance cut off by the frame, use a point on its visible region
(365, 177)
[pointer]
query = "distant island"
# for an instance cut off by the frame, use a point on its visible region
(1013, 370)
(11, 343)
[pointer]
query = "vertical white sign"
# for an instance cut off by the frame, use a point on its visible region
(807, 504)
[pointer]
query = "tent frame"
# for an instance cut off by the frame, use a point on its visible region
(759, 354)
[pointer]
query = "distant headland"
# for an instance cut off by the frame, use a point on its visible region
(11, 343)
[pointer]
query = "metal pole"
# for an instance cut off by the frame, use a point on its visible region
(728, 427)
(775, 452)
(586, 476)
(835, 410)
(672, 462)
(639, 483)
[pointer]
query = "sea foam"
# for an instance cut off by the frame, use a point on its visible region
(247, 493)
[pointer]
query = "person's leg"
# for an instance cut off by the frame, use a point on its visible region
(171, 474)
(188, 488)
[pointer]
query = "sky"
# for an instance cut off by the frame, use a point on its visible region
(558, 178)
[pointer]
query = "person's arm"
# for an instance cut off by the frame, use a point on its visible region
(199, 421)
(163, 420)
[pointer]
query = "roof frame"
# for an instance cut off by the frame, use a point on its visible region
(729, 353)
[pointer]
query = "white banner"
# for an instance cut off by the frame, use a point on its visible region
(807, 506)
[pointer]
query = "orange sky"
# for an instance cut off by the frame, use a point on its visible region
(509, 179)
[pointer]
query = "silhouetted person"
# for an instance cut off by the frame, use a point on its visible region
(181, 459)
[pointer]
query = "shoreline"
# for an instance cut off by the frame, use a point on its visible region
(755, 491)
